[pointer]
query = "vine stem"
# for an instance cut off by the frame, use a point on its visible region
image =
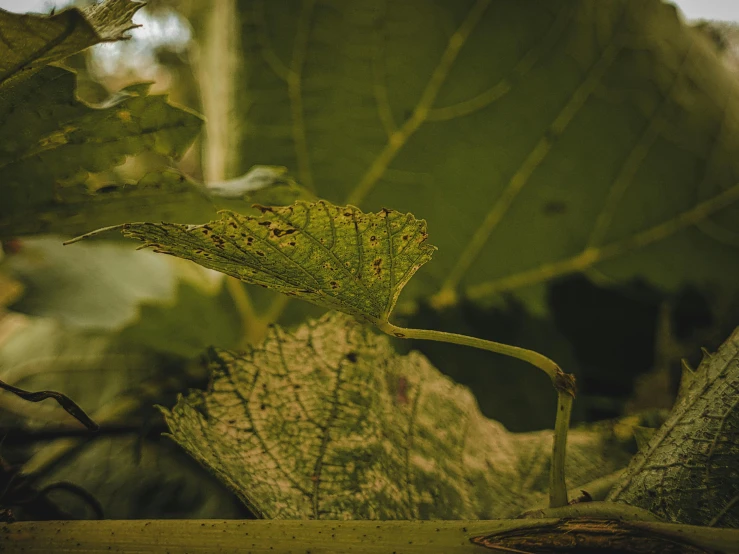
(564, 384)
(557, 486)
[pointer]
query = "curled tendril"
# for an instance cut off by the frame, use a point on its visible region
(69, 405)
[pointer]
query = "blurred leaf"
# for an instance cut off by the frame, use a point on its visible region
(538, 139)
(63, 138)
(688, 473)
(32, 41)
(335, 257)
(40, 353)
(189, 325)
(329, 423)
(117, 383)
(74, 208)
(263, 185)
(141, 478)
(131, 476)
(89, 286)
(261, 180)
(10, 290)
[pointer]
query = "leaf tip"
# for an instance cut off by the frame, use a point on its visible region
(94, 233)
(262, 208)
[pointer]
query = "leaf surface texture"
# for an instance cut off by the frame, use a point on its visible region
(538, 139)
(329, 422)
(333, 256)
(688, 471)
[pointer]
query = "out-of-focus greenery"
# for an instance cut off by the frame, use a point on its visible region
(574, 161)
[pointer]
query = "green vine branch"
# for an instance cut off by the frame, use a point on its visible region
(564, 384)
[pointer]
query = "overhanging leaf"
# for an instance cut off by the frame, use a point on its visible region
(688, 473)
(333, 256)
(31, 41)
(162, 195)
(329, 423)
(537, 138)
(63, 139)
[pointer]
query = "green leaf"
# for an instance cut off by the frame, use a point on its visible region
(328, 422)
(335, 257)
(41, 353)
(75, 208)
(63, 139)
(688, 474)
(134, 477)
(117, 383)
(538, 139)
(190, 324)
(91, 286)
(31, 41)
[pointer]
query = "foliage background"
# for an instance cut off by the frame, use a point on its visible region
(120, 331)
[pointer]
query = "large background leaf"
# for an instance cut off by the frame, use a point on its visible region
(329, 423)
(538, 139)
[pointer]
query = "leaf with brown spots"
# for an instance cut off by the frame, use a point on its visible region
(333, 256)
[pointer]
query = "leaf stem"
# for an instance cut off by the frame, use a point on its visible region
(564, 384)
(557, 486)
(94, 233)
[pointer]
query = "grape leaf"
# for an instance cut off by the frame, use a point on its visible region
(63, 139)
(538, 139)
(688, 472)
(73, 209)
(29, 42)
(333, 256)
(328, 422)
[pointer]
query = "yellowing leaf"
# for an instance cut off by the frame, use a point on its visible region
(32, 41)
(333, 256)
(328, 422)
